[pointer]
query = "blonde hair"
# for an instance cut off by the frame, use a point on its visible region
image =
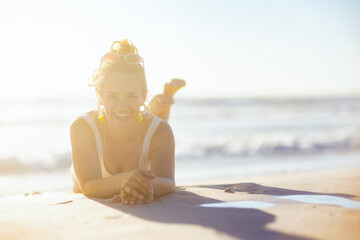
(122, 47)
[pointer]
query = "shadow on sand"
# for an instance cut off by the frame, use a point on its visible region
(254, 188)
(183, 207)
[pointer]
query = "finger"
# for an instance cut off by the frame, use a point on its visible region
(139, 178)
(123, 196)
(126, 200)
(146, 186)
(143, 190)
(147, 173)
(141, 183)
(116, 198)
(127, 193)
(135, 194)
(143, 201)
(144, 180)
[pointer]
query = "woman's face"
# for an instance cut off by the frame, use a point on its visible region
(122, 97)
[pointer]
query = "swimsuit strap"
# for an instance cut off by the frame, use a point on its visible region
(144, 162)
(99, 148)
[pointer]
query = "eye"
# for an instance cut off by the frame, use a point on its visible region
(132, 96)
(112, 96)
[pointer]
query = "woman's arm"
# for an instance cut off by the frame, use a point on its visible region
(163, 186)
(110, 186)
(102, 187)
(86, 163)
(162, 157)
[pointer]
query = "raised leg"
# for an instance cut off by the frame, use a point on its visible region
(160, 105)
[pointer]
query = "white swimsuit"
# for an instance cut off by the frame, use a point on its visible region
(144, 162)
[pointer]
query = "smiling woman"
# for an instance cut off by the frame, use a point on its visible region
(118, 149)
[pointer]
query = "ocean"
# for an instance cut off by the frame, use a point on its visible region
(215, 137)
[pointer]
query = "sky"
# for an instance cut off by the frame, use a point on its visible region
(221, 48)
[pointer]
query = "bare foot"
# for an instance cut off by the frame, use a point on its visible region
(172, 87)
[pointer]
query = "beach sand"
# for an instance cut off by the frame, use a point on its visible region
(65, 215)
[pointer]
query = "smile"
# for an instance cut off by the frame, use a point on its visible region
(122, 116)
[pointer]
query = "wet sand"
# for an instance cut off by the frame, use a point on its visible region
(270, 207)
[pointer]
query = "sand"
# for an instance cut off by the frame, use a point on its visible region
(65, 215)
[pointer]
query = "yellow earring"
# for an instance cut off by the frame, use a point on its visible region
(139, 118)
(101, 117)
(101, 113)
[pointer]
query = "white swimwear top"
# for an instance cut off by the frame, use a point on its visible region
(144, 162)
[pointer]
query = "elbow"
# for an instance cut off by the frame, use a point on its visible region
(163, 186)
(171, 186)
(90, 189)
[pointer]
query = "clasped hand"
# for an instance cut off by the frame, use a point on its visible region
(137, 188)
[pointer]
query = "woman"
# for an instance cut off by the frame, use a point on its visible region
(120, 150)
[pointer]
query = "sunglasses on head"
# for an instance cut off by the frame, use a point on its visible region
(131, 58)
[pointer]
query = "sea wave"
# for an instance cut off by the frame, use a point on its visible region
(35, 136)
(260, 144)
(16, 164)
(272, 143)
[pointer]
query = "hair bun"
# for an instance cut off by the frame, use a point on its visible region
(124, 46)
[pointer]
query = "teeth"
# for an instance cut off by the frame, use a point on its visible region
(122, 115)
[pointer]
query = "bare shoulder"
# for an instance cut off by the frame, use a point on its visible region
(79, 128)
(164, 128)
(163, 136)
(83, 151)
(79, 124)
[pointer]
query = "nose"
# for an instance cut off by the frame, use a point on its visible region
(122, 104)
